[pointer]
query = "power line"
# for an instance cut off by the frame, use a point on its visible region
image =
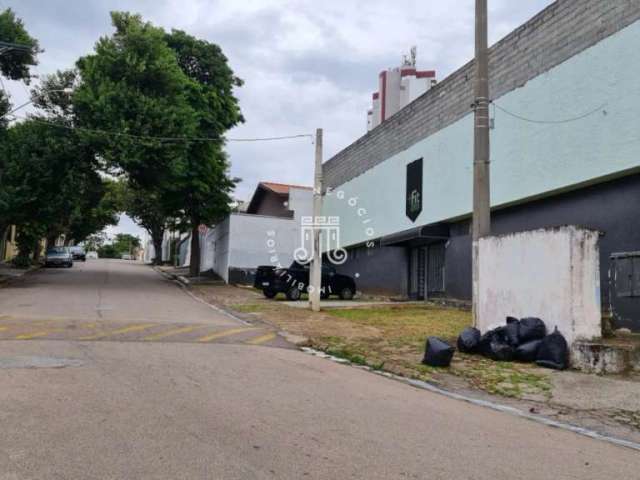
(551, 122)
(165, 139)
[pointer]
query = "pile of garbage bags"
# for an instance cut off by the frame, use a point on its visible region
(524, 340)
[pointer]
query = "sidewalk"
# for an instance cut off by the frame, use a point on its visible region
(391, 338)
(8, 272)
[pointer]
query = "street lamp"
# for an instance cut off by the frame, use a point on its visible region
(66, 90)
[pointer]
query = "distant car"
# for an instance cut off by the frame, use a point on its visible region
(293, 282)
(92, 255)
(78, 253)
(58, 256)
(126, 256)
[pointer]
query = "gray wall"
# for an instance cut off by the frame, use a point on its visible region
(610, 207)
(381, 270)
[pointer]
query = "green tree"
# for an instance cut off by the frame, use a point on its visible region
(153, 211)
(123, 243)
(170, 98)
(204, 182)
(133, 93)
(15, 64)
(52, 186)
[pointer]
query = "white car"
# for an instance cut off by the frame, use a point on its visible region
(92, 255)
(126, 256)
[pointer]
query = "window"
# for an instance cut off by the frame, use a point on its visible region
(627, 275)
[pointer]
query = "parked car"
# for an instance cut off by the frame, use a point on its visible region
(293, 282)
(92, 255)
(126, 256)
(58, 256)
(78, 253)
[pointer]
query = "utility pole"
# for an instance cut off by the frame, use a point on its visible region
(315, 275)
(481, 174)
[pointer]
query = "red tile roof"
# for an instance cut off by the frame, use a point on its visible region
(281, 188)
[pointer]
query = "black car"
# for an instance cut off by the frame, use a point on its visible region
(293, 282)
(78, 253)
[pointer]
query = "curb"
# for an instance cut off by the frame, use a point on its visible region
(585, 432)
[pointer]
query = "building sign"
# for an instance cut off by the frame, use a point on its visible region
(414, 189)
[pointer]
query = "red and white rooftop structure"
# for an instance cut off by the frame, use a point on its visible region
(397, 88)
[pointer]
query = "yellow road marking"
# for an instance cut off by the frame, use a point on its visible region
(261, 339)
(27, 336)
(176, 331)
(226, 333)
(2, 329)
(133, 328)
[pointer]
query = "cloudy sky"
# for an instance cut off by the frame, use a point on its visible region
(306, 64)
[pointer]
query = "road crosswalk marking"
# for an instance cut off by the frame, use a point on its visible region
(133, 328)
(261, 339)
(170, 333)
(225, 333)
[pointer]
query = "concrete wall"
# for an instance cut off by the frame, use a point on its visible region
(552, 274)
(219, 246)
(529, 160)
(249, 236)
(301, 202)
(379, 270)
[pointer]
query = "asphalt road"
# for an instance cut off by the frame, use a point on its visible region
(122, 407)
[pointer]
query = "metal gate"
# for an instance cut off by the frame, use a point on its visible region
(624, 290)
(426, 271)
(435, 269)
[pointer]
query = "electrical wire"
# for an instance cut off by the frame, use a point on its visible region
(165, 139)
(550, 122)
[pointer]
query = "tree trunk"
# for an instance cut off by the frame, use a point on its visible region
(157, 249)
(36, 252)
(156, 239)
(194, 262)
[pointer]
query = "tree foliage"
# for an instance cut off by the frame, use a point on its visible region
(15, 64)
(170, 97)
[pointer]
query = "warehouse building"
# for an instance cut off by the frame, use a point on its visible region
(565, 149)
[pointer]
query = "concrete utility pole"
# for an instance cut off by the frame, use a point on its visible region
(481, 174)
(315, 275)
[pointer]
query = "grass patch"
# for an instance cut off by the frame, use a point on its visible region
(398, 341)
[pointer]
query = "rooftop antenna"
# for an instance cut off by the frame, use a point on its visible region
(410, 60)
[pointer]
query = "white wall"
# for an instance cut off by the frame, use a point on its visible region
(261, 240)
(301, 202)
(219, 245)
(552, 274)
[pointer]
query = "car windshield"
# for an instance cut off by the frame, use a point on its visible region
(56, 250)
(77, 249)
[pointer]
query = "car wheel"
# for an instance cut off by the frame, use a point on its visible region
(346, 293)
(294, 294)
(269, 293)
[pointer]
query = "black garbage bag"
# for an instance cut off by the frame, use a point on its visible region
(553, 352)
(494, 344)
(438, 353)
(469, 340)
(497, 335)
(512, 331)
(528, 352)
(531, 329)
(501, 351)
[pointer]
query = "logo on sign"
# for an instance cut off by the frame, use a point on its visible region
(414, 190)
